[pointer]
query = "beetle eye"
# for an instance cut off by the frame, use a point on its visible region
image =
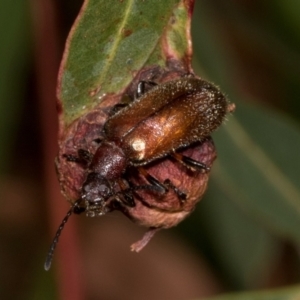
(96, 190)
(104, 190)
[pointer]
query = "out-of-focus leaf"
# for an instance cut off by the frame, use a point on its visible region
(289, 12)
(291, 293)
(237, 243)
(263, 168)
(14, 49)
(253, 200)
(111, 41)
(254, 195)
(223, 61)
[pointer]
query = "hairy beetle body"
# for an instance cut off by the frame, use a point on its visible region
(169, 116)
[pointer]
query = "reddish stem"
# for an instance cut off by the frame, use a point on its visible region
(67, 256)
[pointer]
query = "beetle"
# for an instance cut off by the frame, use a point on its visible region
(168, 117)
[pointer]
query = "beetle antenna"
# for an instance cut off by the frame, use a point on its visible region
(49, 257)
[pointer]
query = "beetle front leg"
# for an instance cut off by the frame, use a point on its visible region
(141, 88)
(84, 157)
(180, 194)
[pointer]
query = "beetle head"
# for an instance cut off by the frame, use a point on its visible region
(95, 193)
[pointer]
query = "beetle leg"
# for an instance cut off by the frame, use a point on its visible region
(126, 193)
(142, 87)
(153, 181)
(123, 103)
(180, 194)
(147, 187)
(129, 201)
(84, 157)
(121, 201)
(71, 157)
(190, 163)
(163, 187)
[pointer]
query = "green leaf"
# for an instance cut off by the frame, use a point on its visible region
(263, 168)
(254, 194)
(288, 11)
(111, 41)
(244, 251)
(253, 199)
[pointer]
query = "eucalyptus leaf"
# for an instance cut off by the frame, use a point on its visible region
(264, 167)
(253, 199)
(111, 41)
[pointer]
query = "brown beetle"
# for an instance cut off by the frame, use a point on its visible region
(169, 117)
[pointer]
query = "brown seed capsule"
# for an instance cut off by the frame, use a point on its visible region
(153, 156)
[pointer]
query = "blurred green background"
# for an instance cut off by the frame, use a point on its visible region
(244, 235)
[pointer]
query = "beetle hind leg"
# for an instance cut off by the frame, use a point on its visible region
(190, 163)
(153, 181)
(165, 186)
(180, 194)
